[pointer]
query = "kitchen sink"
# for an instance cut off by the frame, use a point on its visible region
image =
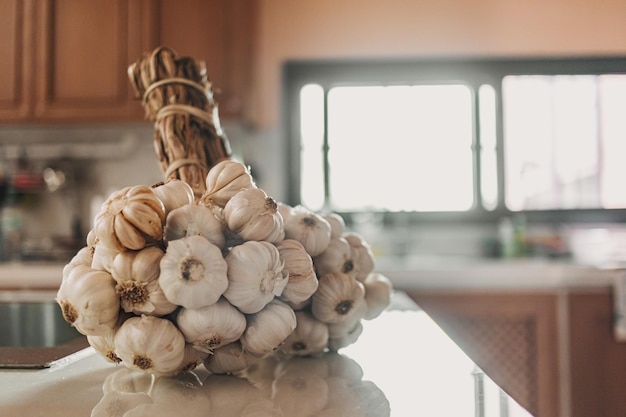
(33, 333)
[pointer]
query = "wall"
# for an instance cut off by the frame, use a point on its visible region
(381, 28)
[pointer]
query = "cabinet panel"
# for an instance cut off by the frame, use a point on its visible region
(14, 30)
(83, 52)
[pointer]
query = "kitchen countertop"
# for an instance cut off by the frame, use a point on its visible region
(403, 364)
(416, 272)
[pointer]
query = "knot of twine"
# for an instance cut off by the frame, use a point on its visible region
(179, 163)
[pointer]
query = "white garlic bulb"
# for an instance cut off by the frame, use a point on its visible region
(103, 256)
(137, 276)
(302, 280)
(173, 194)
(193, 272)
(88, 300)
(310, 336)
(229, 359)
(336, 258)
(337, 295)
(224, 180)
(209, 327)
(308, 228)
(337, 224)
(194, 219)
(344, 327)
(336, 343)
(255, 276)
(268, 329)
(104, 345)
(150, 344)
(254, 215)
(83, 257)
(378, 289)
(362, 255)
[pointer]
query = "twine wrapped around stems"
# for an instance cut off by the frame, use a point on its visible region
(178, 98)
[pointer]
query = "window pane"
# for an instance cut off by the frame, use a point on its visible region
(561, 136)
(400, 148)
(311, 150)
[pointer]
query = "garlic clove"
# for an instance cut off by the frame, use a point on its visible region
(194, 219)
(268, 329)
(378, 289)
(224, 180)
(337, 296)
(193, 272)
(150, 344)
(209, 327)
(255, 276)
(310, 336)
(88, 300)
(308, 228)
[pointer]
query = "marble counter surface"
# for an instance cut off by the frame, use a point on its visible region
(402, 365)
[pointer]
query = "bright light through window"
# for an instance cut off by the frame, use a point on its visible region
(395, 148)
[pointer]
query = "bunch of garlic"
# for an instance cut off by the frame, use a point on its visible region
(169, 280)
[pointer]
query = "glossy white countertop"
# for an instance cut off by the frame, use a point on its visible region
(403, 364)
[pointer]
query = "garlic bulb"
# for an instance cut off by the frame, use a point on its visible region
(378, 289)
(336, 343)
(137, 276)
(173, 194)
(104, 345)
(212, 326)
(83, 257)
(337, 224)
(229, 359)
(88, 300)
(309, 338)
(103, 256)
(193, 272)
(268, 329)
(337, 295)
(192, 358)
(130, 218)
(362, 255)
(255, 276)
(194, 219)
(302, 280)
(150, 344)
(344, 327)
(224, 180)
(308, 228)
(254, 216)
(336, 258)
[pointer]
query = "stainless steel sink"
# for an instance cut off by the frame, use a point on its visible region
(33, 333)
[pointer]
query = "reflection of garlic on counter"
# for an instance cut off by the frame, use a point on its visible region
(329, 384)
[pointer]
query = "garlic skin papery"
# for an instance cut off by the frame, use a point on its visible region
(337, 224)
(173, 194)
(229, 359)
(137, 276)
(209, 327)
(224, 180)
(254, 215)
(378, 289)
(310, 336)
(336, 258)
(337, 295)
(150, 344)
(255, 276)
(130, 218)
(362, 255)
(308, 228)
(268, 329)
(194, 219)
(88, 300)
(193, 272)
(302, 280)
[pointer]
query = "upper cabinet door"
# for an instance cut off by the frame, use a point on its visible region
(16, 63)
(83, 49)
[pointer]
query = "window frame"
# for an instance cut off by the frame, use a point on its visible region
(471, 71)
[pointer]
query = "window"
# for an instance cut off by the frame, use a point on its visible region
(460, 138)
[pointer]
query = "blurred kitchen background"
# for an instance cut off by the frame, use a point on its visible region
(71, 131)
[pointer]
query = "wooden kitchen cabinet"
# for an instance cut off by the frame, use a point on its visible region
(67, 60)
(513, 337)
